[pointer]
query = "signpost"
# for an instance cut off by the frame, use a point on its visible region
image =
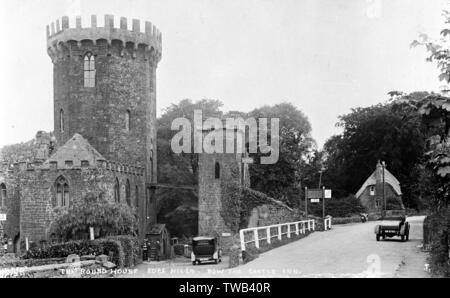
(315, 195)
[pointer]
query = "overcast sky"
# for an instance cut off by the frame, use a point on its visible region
(324, 56)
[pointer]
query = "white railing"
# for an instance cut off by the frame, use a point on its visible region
(267, 233)
(327, 223)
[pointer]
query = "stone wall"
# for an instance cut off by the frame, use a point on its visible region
(125, 82)
(271, 214)
(37, 194)
(11, 227)
(210, 191)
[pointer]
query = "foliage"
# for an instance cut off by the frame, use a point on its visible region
(183, 221)
(106, 218)
(280, 180)
(25, 151)
(436, 235)
(125, 250)
(380, 132)
(238, 202)
(338, 207)
(434, 109)
(179, 169)
(131, 249)
(62, 250)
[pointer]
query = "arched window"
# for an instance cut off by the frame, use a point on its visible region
(3, 195)
(128, 120)
(136, 198)
(62, 192)
(128, 192)
(117, 191)
(89, 70)
(217, 171)
(61, 120)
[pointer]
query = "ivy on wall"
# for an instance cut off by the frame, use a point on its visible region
(238, 202)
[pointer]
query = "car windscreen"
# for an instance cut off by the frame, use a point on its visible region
(203, 242)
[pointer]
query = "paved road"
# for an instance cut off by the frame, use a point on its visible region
(345, 251)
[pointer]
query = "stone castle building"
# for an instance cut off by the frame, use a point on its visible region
(214, 170)
(104, 81)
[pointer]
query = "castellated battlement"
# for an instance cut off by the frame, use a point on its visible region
(70, 165)
(147, 37)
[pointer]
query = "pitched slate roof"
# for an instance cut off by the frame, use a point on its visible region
(75, 149)
(388, 178)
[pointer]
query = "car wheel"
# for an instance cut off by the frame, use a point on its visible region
(378, 237)
(193, 263)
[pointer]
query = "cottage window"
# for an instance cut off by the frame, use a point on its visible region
(372, 190)
(3, 194)
(62, 192)
(89, 70)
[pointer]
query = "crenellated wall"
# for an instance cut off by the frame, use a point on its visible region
(125, 88)
(31, 189)
(150, 38)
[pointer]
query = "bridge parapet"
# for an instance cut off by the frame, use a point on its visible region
(267, 233)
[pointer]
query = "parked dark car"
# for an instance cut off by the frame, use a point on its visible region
(393, 223)
(205, 249)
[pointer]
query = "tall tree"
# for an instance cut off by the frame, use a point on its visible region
(280, 180)
(379, 132)
(178, 205)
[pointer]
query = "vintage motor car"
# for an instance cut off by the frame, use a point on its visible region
(393, 223)
(205, 249)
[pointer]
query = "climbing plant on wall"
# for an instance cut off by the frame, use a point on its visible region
(238, 202)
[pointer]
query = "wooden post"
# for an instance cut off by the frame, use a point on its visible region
(296, 228)
(289, 230)
(279, 232)
(306, 201)
(268, 234)
(255, 232)
(323, 202)
(91, 233)
(241, 234)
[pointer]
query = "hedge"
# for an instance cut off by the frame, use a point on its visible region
(131, 249)
(436, 238)
(125, 250)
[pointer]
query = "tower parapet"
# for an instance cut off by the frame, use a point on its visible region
(61, 33)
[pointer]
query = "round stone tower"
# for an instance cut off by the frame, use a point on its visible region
(104, 81)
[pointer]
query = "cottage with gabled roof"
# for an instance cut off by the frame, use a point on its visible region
(370, 193)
